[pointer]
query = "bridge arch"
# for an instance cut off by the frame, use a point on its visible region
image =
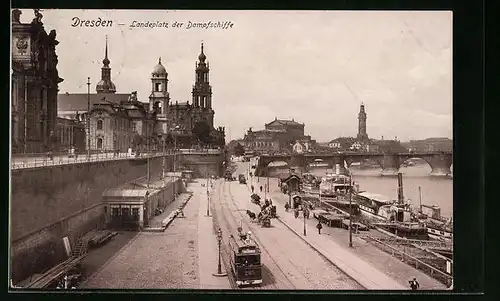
(440, 163)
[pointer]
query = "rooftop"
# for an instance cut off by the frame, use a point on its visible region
(79, 101)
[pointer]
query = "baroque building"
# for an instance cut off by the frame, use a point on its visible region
(35, 81)
(278, 135)
(184, 118)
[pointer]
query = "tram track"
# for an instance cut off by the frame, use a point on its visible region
(310, 277)
(283, 268)
(282, 254)
(270, 269)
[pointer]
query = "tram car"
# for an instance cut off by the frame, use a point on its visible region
(246, 266)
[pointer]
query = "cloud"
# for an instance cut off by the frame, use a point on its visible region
(288, 64)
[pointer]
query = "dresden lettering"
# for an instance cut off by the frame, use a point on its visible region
(77, 22)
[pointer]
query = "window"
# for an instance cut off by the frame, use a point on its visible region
(99, 124)
(99, 143)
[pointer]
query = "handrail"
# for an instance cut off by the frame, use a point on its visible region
(36, 160)
(433, 269)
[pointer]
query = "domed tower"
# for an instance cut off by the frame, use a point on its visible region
(202, 91)
(159, 98)
(362, 136)
(105, 85)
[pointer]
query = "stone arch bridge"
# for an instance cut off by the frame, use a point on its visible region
(440, 162)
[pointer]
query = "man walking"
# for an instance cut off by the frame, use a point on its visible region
(252, 188)
(414, 284)
(319, 226)
(260, 188)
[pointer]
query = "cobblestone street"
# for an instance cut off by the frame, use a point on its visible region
(164, 260)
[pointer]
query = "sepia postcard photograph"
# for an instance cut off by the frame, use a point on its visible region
(231, 150)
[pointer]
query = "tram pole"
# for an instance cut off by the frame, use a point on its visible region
(219, 266)
(304, 212)
(350, 210)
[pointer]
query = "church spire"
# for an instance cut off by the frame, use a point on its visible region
(105, 85)
(106, 60)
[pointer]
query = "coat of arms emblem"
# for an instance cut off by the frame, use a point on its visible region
(22, 46)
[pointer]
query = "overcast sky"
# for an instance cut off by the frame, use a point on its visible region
(313, 66)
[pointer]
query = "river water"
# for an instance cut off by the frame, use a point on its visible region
(435, 190)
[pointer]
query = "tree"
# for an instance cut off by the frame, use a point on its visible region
(202, 132)
(238, 150)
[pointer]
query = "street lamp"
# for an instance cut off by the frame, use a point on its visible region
(88, 118)
(350, 210)
(175, 147)
(208, 193)
(304, 211)
(219, 266)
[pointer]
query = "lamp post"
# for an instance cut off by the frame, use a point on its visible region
(304, 212)
(175, 149)
(88, 118)
(163, 161)
(208, 193)
(350, 210)
(147, 148)
(219, 266)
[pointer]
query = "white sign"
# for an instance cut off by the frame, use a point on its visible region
(67, 246)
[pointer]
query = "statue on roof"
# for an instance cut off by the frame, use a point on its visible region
(38, 16)
(133, 96)
(16, 14)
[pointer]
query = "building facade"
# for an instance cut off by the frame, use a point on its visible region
(183, 117)
(70, 133)
(279, 136)
(35, 81)
(120, 121)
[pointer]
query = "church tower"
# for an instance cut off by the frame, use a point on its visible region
(105, 85)
(202, 91)
(362, 124)
(159, 98)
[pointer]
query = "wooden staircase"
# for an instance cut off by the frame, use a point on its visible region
(80, 248)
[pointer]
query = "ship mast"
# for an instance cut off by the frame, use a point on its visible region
(420, 198)
(400, 189)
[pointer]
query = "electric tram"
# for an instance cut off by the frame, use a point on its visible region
(245, 259)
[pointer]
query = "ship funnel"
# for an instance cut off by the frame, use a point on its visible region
(337, 169)
(400, 189)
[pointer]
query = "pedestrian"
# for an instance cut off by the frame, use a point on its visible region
(252, 188)
(414, 284)
(260, 188)
(319, 226)
(296, 213)
(287, 206)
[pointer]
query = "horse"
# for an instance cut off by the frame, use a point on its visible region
(251, 215)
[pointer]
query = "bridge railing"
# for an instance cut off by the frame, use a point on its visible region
(33, 160)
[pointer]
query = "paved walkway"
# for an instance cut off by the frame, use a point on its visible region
(155, 222)
(208, 255)
(156, 260)
(374, 268)
(182, 257)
